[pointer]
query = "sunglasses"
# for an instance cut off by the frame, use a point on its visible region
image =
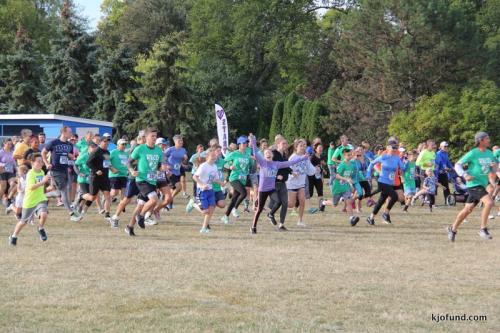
(358, 155)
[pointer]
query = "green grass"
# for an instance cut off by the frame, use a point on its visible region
(328, 277)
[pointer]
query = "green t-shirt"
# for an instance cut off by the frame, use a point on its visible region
(241, 163)
(81, 163)
(479, 165)
(220, 168)
(148, 160)
(409, 175)
(329, 160)
(82, 146)
(119, 161)
(345, 169)
(426, 157)
(497, 155)
(338, 154)
(34, 197)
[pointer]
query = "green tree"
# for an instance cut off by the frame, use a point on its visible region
(295, 129)
(277, 120)
(20, 75)
(287, 124)
(69, 68)
(167, 99)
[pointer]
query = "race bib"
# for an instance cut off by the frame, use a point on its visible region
(38, 178)
(71, 162)
(63, 160)
(391, 176)
(151, 176)
(106, 164)
(177, 166)
(161, 176)
(242, 177)
(9, 168)
(124, 162)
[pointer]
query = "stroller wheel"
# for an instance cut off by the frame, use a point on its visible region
(451, 201)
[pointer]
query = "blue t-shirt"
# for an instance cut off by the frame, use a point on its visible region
(174, 158)
(430, 183)
(389, 167)
(59, 151)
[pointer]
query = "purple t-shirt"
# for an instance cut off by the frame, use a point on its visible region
(174, 159)
(269, 169)
(8, 161)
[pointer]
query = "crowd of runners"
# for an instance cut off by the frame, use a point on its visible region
(146, 174)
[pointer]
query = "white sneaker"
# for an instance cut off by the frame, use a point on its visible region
(235, 213)
(225, 219)
(150, 221)
(484, 234)
(301, 224)
(76, 217)
(491, 217)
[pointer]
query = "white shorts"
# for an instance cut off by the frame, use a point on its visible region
(19, 200)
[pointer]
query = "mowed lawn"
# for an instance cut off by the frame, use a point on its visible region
(328, 277)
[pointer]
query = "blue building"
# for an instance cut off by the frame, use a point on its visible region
(51, 124)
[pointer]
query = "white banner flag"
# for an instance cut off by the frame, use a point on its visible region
(222, 129)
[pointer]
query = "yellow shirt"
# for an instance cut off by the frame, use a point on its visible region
(20, 150)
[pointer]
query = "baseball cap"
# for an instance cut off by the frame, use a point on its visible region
(106, 135)
(161, 141)
(480, 136)
(443, 144)
(392, 141)
(122, 142)
(310, 150)
(242, 139)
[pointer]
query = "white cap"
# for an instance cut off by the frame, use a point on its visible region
(122, 142)
(443, 144)
(106, 135)
(160, 141)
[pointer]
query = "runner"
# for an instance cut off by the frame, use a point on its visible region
(35, 201)
(7, 173)
(149, 159)
(362, 186)
(297, 181)
(443, 166)
(409, 184)
(61, 152)
(164, 186)
(205, 176)
(83, 172)
(17, 207)
(316, 180)
(429, 188)
(267, 185)
(239, 163)
(175, 157)
(481, 168)
(22, 146)
(390, 163)
(279, 155)
(119, 170)
(196, 160)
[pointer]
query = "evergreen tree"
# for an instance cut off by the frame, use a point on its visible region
(296, 123)
(277, 119)
(305, 123)
(167, 100)
(70, 67)
(20, 77)
(287, 122)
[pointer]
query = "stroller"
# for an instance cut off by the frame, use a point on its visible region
(459, 193)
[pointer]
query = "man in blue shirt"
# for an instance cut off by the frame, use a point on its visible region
(443, 166)
(111, 145)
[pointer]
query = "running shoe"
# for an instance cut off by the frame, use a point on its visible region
(370, 203)
(9, 209)
(129, 230)
(59, 203)
(272, 219)
(485, 234)
(451, 234)
(301, 224)
(491, 217)
(235, 213)
(170, 206)
(354, 220)
(253, 230)
(75, 217)
(12, 241)
(387, 218)
(114, 200)
(114, 222)
(190, 206)
(102, 211)
(313, 210)
(322, 206)
(43, 234)
(246, 205)
(225, 219)
(150, 221)
(282, 228)
(140, 221)
(370, 221)
(204, 231)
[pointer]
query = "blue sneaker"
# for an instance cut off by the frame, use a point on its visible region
(313, 210)
(204, 231)
(190, 206)
(225, 219)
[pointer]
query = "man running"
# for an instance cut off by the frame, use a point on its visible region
(481, 168)
(175, 157)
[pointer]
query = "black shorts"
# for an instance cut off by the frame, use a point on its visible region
(183, 171)
(74, 177)
(398, 187)
(84, 188)
(476, 193)
(7, 175)
(98, 184)
(131, 189)
(117, 183)
(249, 182)
(162, 183)
(146, 188)
(173, 179)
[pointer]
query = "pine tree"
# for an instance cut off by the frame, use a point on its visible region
(305, 124)
(70, 66)
(295, 126)
(115, 93)
(277, 119)
(167, 100)
(20, 77)
(287, 126)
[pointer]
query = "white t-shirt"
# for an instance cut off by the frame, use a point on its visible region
(207, 173)
(301, 170)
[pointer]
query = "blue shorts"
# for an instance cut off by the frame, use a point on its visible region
(219, 196)
(131, 190)
(207, 199)
(410, 190)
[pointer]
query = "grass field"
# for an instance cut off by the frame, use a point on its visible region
(328, 277)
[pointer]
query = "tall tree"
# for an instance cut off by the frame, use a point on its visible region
(69, 68)
(277, 119)
(20, 76)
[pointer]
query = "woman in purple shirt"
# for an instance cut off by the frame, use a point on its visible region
(267, 180)
(7, 170)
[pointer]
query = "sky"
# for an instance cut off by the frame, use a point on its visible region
(91, 9)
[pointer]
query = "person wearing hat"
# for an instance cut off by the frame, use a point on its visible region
(443, 166)
(118, 170)
(176, 156)
(111, 145)
(481, 168)
(239, 163)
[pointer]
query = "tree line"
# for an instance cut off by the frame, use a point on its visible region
(369, 68)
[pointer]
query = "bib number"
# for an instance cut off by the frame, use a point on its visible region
(161, 176)
(106, 164)
(151, 176)
(9, 168)
(63, 160)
